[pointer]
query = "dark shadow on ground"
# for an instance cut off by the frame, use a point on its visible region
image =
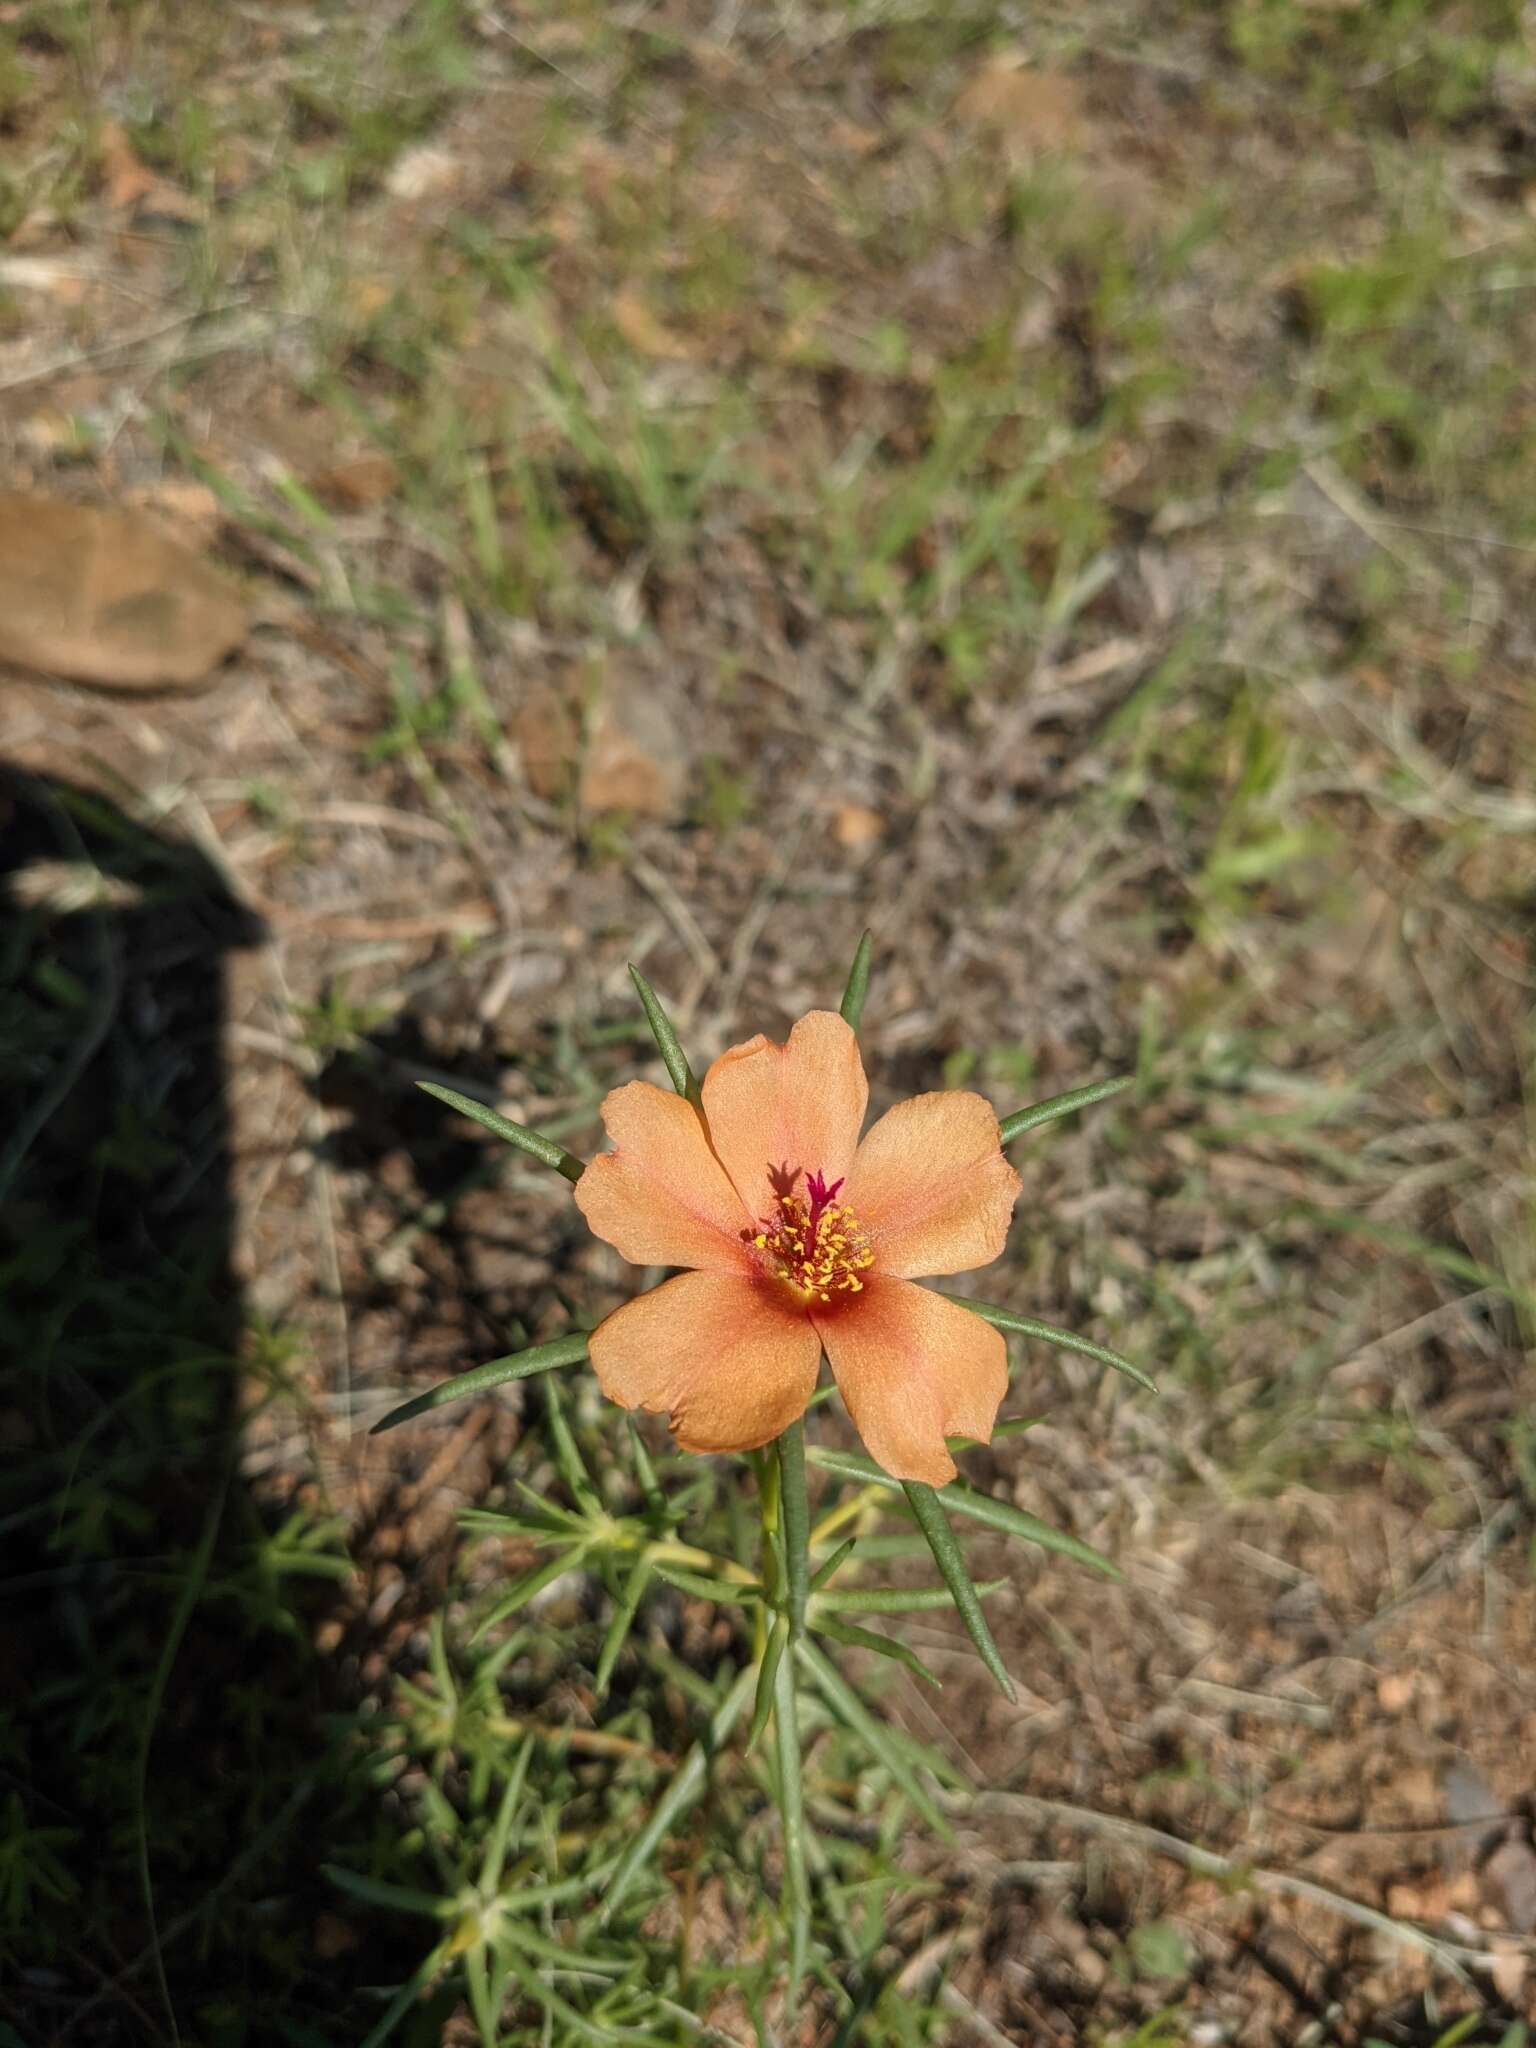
(169, 1733)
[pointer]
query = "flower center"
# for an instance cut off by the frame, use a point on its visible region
(811, 1242)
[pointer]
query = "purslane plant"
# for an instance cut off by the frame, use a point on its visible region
(797, 1239)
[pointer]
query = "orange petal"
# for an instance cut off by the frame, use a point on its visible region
(661, 1197)
(914, 1369)
(725, 1356)
(931, 1186)
(799, 1104)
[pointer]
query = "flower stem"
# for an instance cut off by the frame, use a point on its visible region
(797, 1888)
(797, 1524)
(785, 1510)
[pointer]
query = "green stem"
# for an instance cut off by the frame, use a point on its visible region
(797, 1525)
(786, 1512)
(797, 1886)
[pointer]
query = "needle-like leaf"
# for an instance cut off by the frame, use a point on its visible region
(729, 1592)
(1064, 1340)
(897, 1599)
(963, 1500)
(762, 1706)
(623, 1620)
(858, 983)
(950, 1559)
(1039, 1113)
(684, 1789)
(531, 1142)
(882, 1646)
(519, 1365)
(667, 1042)
(852, 1712)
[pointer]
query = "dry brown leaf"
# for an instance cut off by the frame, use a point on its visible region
(187, 510)
(125, 178)
(549, 739)
(105, 596)
(357, 484)
(645, 333)
(1508, 1971)
(425, 172)
(130, 187)
(1028, 113)
(635, 758)
(857, 827)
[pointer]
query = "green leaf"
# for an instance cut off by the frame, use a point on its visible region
(520, 1365)
(373, 1891)
(1159, 1950)
(703, 1587)
(623, 1621)
(839, 1556)
(568, 1460)
(898, 1599)
(575, 2024)
(531, 1142)
(950, 1559)
(686, 1787)
(519, 1594)
(762, 1706)
(962, 1500)
(852, 1712)
(645, 1471)
(858, 983)
(1064, 1340)
(882, 1646)
(667, 1044)
(501, 1827)
(1039, 1113)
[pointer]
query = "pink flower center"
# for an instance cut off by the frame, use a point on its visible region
(811, 1241)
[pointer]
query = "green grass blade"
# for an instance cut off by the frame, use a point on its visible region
(898, 1599)
(1064, 1340)
(536, 1146)
(962, 1500)
(858, 983)
(882, 1646)
(950, 1559)
(852, 1712)
(623, 1621)
(685, 1789)
(668, 1045)
(519, 1365)
(762, 1706)
(1039, 1113)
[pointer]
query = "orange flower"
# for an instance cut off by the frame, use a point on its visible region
(801, 1239)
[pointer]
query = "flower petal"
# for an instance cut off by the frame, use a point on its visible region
(915, 1368)
(931, 1186)
(799, 1104)
(729, 1359)
(661, 1197)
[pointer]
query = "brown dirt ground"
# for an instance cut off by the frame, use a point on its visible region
(1308, 1640)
